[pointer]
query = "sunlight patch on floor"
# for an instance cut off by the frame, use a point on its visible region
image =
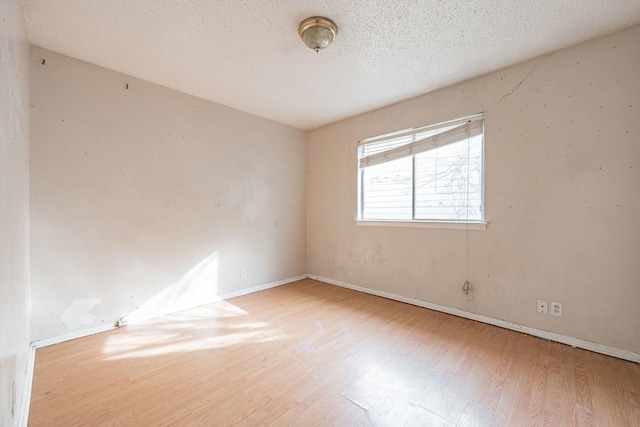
(123, 347)
(213, 326)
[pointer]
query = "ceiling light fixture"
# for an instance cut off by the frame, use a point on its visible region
(317, 32)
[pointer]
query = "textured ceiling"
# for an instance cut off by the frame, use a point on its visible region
(246, 54)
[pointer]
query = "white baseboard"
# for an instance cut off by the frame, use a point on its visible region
(102, 328)
(25, 404)
(72, 336)
(574, 342)
(263, 287)
(148, 316)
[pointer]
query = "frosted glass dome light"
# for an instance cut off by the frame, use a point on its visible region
(317, 32)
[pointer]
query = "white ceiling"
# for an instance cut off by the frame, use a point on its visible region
(246, 54)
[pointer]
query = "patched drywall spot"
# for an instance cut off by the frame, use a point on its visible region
(78, 313)
(250, 195)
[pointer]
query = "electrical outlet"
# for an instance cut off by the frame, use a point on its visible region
(243, 273)
(542, 306)
(556, 308)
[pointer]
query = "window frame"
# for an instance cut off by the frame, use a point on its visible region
(473, 224)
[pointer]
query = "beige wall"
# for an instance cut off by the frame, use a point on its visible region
(562, 185)
(14, 210)
(146, 200)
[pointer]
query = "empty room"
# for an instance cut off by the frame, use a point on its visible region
(389, 213)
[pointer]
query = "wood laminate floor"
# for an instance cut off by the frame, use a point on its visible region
(312, 354)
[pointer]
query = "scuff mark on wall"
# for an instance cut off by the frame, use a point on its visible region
(78, 313)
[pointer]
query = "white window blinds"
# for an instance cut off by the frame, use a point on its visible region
(393, 146)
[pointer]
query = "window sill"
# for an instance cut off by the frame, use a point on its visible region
(425, 224)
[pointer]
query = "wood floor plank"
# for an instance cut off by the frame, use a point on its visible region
(424, 418)
(482, 407)
(397, 405)
(297, 354)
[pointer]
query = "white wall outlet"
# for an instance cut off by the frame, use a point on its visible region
(556, 308)
(542, 306)
(243, 273)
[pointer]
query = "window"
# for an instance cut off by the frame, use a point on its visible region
(432, 173)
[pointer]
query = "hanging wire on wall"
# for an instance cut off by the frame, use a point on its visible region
(466, 288)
